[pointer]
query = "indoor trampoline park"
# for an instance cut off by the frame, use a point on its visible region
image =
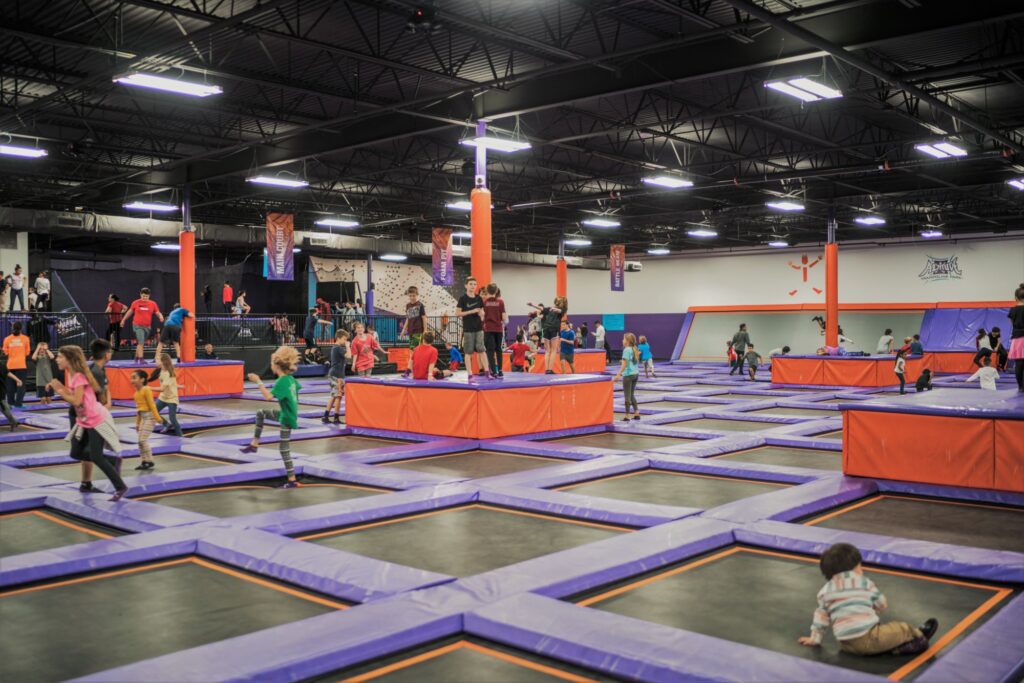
(511, 341)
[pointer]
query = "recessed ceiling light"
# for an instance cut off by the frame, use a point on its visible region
(578, 242)
(869, 220)
(393, 257)
(778, 244)
(462, 234)
(1017, 183)
(668, 181)
(942, 150)
(19, 151)
(154, 82)
(702, 232)
(497, 144)
(785, 205)
(338, 223)
(166, 246)
(804, 89)
(151, 206)
(276, 180)
(601, 223)
(931, 233)
(659, 251)
(461, 205)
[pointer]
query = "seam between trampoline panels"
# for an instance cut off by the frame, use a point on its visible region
(184, 560)
(70, 525)
(186, 492)
(673, 472)
(452, 647)
(815, 451)
(960, 627)
(558, 461)
(432, 513)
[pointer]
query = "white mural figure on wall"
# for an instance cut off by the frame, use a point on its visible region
(935, 268)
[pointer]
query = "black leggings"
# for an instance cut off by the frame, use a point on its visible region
(492, 344)
(114, 335)
(982, 353)
(903, 383)
(90, 447)
(1018, 372)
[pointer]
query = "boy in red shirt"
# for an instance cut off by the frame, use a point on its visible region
(424, 360)
(495, 319)
(143, 309)
(519, 351)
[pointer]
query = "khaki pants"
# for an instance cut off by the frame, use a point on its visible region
(881, 638)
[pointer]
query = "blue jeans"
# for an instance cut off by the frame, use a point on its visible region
(15, 392)
(172, 416)
(20, 294)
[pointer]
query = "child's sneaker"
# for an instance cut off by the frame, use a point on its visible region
(289, 485)
(407, 374)
(248, 449)
(627, 418)
(912, 647)
(337, 419)
(929, 627)
(325, 419)
(87, 487)
(118, 495)
(636, 417)
(145, 466)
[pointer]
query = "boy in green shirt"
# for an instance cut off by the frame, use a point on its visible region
(286, 392)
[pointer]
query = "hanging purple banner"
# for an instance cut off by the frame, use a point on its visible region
(444, 262)
(617, 265)
(280, 242)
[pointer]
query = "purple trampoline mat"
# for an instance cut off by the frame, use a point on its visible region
(1005, 404)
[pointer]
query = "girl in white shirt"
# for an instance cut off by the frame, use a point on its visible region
(901, 365)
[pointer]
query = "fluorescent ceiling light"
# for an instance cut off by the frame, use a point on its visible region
(1017, 183)
(461, 205)
(659, 251)
(338, 223)
(166, 246)
(668, 181)
(804, 89)
(942, 150)
(276, 180)
(778, 244)
(578, 242)
(155, 82)
(870, 220)
(819, 89)
(393, 257)
(462, 234)
(497, 144)
(151, 206)
(702, 232)
(931, 233)
(601, 223)
(785, 205)
(18, 151)
(295, 250)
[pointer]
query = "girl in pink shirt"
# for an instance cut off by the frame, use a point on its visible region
(362, 349)
(94, 426)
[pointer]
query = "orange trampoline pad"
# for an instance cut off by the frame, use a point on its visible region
(868, 371)
(473, 413)
(194, 380)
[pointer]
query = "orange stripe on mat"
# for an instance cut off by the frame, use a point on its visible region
(678, 474)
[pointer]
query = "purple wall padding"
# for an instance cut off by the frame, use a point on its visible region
(795, 502)
(637, 650)
(954, 329)
(592, 508)
(684, 331)
(595, 564)
(921, 556)
(392, 478)
(319, 568)
(128, 515)
(994, 652)
(103, 554)
(310, 518)
(293, 652)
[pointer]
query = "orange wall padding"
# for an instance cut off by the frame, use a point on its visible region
(205, 380)
(187, 292)
(832, 294)
(586, 363)
(933, 449)
(480, 226)
(858, 372)
(952, 361)
(561, 278)
(399, 356)
(902, 306)
(478, 414)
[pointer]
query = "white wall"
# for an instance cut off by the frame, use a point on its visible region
(11, 257)
(989, 271)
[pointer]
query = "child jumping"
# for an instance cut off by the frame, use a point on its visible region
(753, 359)
(1016, 353)
(850, 602)
(550, 325)
(146, 416)
(629, 371)
(341, 355)
(168, 391)
(646, 357)
(286, 392)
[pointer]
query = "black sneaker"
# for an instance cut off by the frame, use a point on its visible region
(337, 419)
(929, 627)
(549, 372)
(636, 417)
(289, 485)
(912, 647)
(325, 419)
(627, 418)
(87, 487)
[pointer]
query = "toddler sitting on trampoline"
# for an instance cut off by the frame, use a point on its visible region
(850, 602)
(286, 391)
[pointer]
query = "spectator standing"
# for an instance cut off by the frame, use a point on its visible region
(17, 288)
(16, 348)
(740, 341)
(143, 309)
(207, 299)
(227, 296)
(42, 285)
(599, 336)
(115, 313)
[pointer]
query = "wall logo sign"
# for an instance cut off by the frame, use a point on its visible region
(805, 266)
(947, 268)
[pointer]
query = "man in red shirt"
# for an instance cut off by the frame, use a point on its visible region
(495, 319)
(424, 360)
(227, 296)
(143, 309)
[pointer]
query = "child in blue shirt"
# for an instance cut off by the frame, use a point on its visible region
(454, 356)
(567, 348)
(646, 357)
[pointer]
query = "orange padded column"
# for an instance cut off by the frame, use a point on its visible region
(832, 294)
(187, 291)
(480, 226)
(561, 278)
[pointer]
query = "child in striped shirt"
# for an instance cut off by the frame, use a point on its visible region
(850, 602)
